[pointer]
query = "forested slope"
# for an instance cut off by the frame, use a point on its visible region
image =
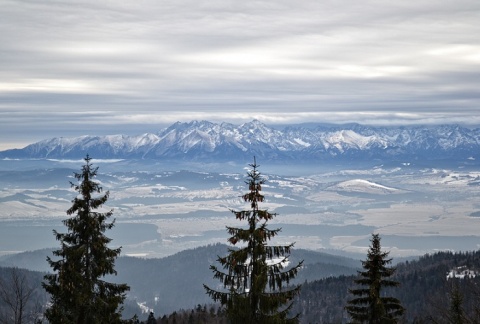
(174, 282)
(424, 291)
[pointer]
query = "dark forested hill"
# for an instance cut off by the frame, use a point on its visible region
(175, 282)
(424, 291)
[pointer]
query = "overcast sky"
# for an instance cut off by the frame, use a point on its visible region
(96, 67)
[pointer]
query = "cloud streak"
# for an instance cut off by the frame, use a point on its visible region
(155, 62)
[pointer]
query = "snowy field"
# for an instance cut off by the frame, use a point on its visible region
(416, 210)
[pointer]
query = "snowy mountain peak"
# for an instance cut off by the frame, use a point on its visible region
(207, 141)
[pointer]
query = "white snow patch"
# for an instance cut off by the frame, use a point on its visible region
(145, 309)
(299, 141)
(360, 185)
(461, 273)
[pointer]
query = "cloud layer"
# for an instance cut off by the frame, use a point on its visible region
(84, 66)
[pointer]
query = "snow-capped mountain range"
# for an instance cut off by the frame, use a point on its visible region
(207, 141)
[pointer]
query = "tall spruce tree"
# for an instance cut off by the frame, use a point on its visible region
(456, 313)
(369, 306)
(255, 277)
(79, 293)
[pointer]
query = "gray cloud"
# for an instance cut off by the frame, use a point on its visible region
(84, 66)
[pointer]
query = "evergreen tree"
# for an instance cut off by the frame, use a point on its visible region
(78, 291)
(255, 276)
(369, 306)
(151, 319)
(456, 313)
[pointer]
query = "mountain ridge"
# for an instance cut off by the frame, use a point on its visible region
(206, 141)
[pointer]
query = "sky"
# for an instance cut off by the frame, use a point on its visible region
(70, 68)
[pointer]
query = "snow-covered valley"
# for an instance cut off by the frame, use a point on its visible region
(160, 212)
